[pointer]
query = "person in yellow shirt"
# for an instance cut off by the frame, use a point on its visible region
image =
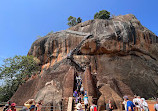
(29, 103)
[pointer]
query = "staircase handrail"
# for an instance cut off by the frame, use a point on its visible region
(70, 104)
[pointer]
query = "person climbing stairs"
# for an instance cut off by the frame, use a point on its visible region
(79, 106)
(78, 98)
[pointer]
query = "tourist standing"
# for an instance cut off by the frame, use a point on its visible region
(85, 92)
(77, 78)
(82, 90)
(156, 105)
(130, 105)
(139, 103)
(80, 97)
(29, 103)
(13, 107)
(144, 105)
(109, 106)
(79, 106)
(75, 93)
(85, 99)
(79, 86)
(93, 106)
(135, 99)
(135, 102)
(125, 105)
(39, 106)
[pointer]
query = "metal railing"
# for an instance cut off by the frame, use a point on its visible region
(44, 108)
(52, 108)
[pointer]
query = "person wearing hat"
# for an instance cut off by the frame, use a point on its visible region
(144, 105)
(13, 107)
(130, 105)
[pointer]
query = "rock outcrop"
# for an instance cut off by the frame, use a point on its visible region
(122, 53)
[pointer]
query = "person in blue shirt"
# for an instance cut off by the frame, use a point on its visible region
(130, 105)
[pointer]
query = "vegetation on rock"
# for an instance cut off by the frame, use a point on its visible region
(72, 21)
(103, 14)
(15, 71)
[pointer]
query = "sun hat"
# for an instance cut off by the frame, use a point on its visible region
(143, 99)
(13, 104)
(125, 97)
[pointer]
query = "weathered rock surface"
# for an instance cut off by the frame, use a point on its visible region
(122, 53)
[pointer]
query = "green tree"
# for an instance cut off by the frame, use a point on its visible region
(103, 14)
(72, 21)
(14, 71)
(8, 90)
(79, 20)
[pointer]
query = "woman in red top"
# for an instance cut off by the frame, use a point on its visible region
(13, 107)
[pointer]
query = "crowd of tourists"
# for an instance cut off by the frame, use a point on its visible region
(138, 104)
(81, 95)
(29, 105)
(9, 106)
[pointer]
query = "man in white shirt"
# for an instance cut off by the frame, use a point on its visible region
(137, 102)
(125, 105)
(79, 106)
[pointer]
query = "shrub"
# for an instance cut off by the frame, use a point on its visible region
(103, 14)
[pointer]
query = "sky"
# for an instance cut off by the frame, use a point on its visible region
(21, 21)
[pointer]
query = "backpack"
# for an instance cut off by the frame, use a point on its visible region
(95, 108)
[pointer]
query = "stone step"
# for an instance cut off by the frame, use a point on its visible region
(76, 107)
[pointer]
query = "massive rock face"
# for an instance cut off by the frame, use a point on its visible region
(120, 53)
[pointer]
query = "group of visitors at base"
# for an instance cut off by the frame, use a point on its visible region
(29, 105)
(138, 104)
(10, 107)
(81, 95)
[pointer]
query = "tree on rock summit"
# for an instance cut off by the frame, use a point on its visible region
(103, 14)
(72, 21)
